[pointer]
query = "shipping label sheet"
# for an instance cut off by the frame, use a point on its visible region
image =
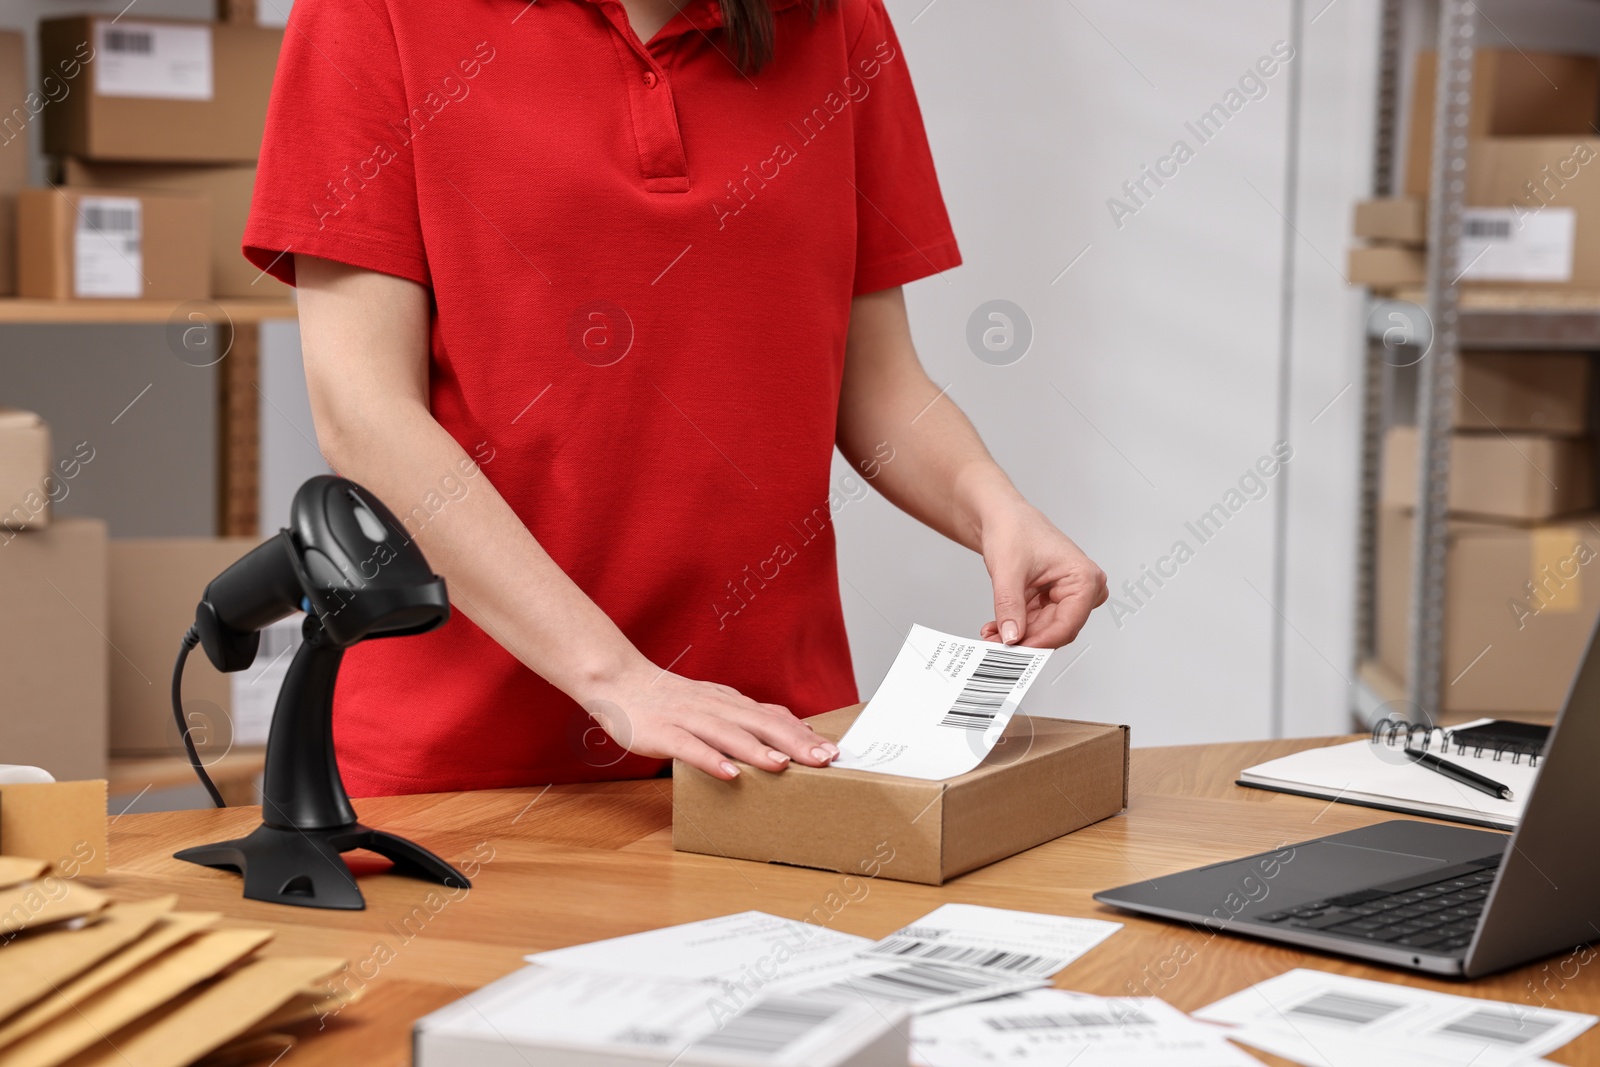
(942, 707)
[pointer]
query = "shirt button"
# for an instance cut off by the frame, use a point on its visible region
(649, 79)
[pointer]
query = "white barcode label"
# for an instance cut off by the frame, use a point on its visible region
(159, 60)
(253, 692)
(986, 691)
(1503, 1026)
(963, 955)
(1502, 245)
(1345, 1008)
(767, 1027)
(911, 983)
(1069, 1020)
(107, 260)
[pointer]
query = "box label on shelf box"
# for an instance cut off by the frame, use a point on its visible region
(153, 59)
(106, 257)
(253, 692)
(1499, 246)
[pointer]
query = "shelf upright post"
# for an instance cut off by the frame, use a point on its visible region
(1373, 370)
(1437, 385)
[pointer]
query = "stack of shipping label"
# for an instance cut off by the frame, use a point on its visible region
(90, 981)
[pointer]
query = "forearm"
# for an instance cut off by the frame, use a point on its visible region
(497, 572)
(941, 474)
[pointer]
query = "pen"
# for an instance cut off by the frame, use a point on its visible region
(1460, 774)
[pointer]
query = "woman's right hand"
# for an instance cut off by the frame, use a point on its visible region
(653, 712)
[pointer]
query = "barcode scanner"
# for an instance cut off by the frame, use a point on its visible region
(344, 561)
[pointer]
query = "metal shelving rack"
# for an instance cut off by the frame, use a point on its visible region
(1431, 333)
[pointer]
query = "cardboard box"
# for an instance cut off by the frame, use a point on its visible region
(1387, 266)
(62, 823)
(1046, 778)
(24, 470)
(1542, 195)
(1523, 392)
(1514, 94)
(228, 188)
(1403, 220)
(155, 585)
(17, 108)
(1521, 477)
(1520, 602)
(53, 650)
(158, 90)
(113, 244)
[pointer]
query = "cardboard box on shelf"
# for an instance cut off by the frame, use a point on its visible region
(1403, 220)
(1523, 392)
(158, 90)
(1045, 778)
(18, 111)
(1387, 266)
(1520, 602)
(155, 585)
(113, 244)
(228, 188)
(1519, 477)
(53, 651)
(1514, 94)
(1534, 213)
(24, 472)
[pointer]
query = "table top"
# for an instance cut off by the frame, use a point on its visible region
(561, 865)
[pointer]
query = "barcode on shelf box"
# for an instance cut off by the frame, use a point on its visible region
(253, 692)
(106, 258)
(1508, 1026)
(986, 691)
(139, 41)
(769, 1026)
(1346, 1009)
(1506, 245)
(153, 60)
(1069, 1020)
(963, 955)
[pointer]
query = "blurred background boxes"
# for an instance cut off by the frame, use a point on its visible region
(161, 91)
(1519, 477)
(1520, 602)
(227, 187)
(1523, 392)
(155, 584)
(113, 244)
(53, 649)
(1515, 93)
(24, 468)
(13, 150)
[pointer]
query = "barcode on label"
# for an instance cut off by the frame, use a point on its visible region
(1069, 1020)
(963, 955)
(985, 692)
(769, 1026)
(1343, 1008)
(1504, 1027)
(110, 219)
(907, 984)
(136, 42)
(1487, 229)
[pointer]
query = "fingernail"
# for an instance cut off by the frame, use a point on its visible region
(1008, 632)
(821, 755)
(777, 757)
(729, 769)
(833, 749)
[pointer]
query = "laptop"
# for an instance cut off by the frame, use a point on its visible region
(1424, 896)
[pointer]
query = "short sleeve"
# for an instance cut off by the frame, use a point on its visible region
(902, 230)
(336, 177)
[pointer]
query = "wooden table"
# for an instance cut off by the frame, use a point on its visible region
(562, 865)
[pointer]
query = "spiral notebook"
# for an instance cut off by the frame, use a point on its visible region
(1376, 773)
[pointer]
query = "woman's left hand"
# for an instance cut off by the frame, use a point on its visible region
(1044, 586)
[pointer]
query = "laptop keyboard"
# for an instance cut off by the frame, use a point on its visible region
(1437, 916)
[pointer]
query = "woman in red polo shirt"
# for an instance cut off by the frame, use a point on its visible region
(589, 292)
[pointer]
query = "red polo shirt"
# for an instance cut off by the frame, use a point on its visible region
(641, 263)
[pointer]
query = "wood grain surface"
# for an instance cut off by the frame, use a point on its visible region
(561, 865)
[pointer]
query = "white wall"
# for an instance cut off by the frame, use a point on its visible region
(1167, 337)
